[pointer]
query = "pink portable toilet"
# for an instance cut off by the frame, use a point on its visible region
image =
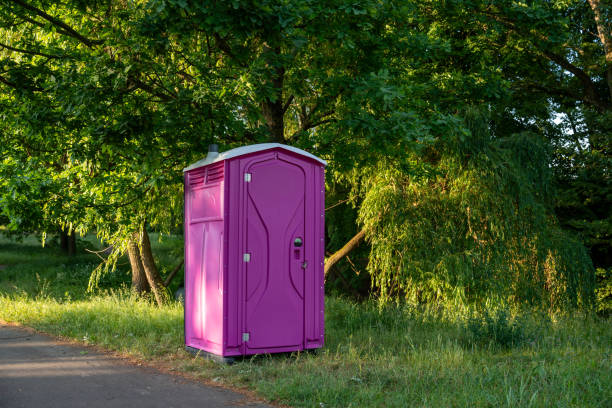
(254, 251)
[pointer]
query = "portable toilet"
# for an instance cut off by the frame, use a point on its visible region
(254, 251)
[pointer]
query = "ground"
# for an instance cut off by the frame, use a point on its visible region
(38, 371)
(392, 356)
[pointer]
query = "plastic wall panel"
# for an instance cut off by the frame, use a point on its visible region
(204, 253)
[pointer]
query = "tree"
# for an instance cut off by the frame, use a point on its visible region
(116, 97)
(488, 55)
(76, 122)
(112, 80)
(557, 61)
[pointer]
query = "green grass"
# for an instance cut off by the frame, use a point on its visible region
(391, 357)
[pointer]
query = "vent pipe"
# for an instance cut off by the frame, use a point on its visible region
(213, 151)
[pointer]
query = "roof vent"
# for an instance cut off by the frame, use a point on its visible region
(213, 151)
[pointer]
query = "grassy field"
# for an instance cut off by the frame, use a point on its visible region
(391, 357)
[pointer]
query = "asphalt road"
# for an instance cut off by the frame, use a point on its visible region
(37, 371)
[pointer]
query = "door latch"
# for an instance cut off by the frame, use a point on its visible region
(305, 265)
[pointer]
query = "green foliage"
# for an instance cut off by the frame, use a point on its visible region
(475, 226)
(103, 103)
(557, 82)
(349, 275)
(496, 328)
(604, 291)
(100, 118)
(582, 174)
(466, 214)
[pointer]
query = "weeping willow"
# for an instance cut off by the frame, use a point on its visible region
(476, 227)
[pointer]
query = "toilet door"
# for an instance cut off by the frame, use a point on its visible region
(275, 189)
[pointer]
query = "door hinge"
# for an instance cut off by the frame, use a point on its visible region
(247, 177)
(245, 336)
(246, 257)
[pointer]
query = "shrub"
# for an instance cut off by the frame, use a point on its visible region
(497, 328)
(477, 227)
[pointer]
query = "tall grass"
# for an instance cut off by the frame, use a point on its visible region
(395, 356)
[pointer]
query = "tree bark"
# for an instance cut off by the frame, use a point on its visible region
(72, 244)
(342, 252)
(272, 109)
(63, 240)
(140, 284)
(153, 277)
(605, 35)
(68, 242)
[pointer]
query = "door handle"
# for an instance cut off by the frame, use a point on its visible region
(305, 265)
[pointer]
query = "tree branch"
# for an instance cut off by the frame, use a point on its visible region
(58, 23)
(151, 90)
(7, 82)
(173, 273)
(589, 87)
(321, 122)
(307, 124)
(348, 247)
(29, 52)
(551, 91)
(224, 46)
(337, 204)
(32, 21)
(15, 86)
(591, 96)
(287, 104)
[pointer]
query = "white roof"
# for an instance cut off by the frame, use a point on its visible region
(240, 151)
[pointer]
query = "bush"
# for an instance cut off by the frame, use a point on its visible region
(498, 328)
(478, 227)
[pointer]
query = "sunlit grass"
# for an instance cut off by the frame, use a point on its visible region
(391, 357)
(115, 320)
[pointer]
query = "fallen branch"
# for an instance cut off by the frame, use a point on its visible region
(342, 252)
(173, 273)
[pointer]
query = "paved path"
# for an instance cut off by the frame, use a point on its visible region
(36, 371)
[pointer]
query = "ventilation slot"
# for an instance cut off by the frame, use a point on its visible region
(195, 179)
(215, 173)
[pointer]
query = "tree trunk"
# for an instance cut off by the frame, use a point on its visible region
(72, 244)
(605, 35)
(63, 240)
(140, 284)
(68, 242)
(153, 277)
(342, 252)
(272, 108)
(274, 117)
